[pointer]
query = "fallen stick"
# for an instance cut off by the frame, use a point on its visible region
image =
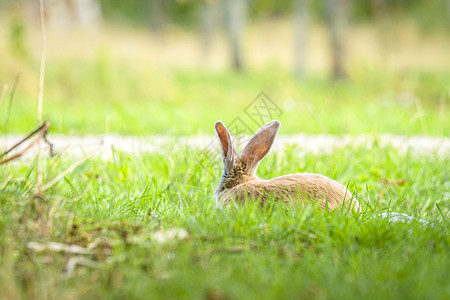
(58, 247)
(42, 130)
(78, 260)
(44, 127)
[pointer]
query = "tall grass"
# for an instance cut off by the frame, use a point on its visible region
(244, 252)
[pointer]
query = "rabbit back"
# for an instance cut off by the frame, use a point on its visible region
(300, 187)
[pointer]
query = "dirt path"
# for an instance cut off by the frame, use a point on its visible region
(80, 146)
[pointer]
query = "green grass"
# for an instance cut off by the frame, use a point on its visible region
(249, 252)
(105, 95)
(246, 252)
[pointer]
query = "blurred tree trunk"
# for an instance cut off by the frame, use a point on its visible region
(156, 16)
(383, 27)
(337, 16)
(378, 7)
(66, 13)
(235, 17)
(88, 13)
(301, 16)
(208, 15)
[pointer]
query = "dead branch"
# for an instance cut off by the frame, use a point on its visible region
(58, 247)
(44, 126)
(77, 260)
(15, 156)
(42, 130)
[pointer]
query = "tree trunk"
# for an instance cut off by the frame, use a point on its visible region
(378, 8)
(156, 16)
(88, 13)
(208, 15)
(301, 18)
(235, 15)
(336, 22)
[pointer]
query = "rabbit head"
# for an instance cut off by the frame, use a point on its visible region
(241, 168)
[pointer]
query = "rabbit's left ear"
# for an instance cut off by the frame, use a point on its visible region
(228, 149)
(260, 144)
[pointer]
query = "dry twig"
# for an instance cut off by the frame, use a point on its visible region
(78, 260)
(58, 247)
(44, 127)
(42, 130)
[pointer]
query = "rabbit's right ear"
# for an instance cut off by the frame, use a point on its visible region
(227, 146)
(260, 144)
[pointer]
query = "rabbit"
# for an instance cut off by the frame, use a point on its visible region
(239, 180)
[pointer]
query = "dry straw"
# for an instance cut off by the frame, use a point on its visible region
(40, 96)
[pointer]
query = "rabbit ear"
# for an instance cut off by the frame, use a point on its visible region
(227, 146)
(260, 144)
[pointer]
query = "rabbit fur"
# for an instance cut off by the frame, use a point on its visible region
(239, 181)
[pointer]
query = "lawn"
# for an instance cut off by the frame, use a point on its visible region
(187, 102)
(145, 225)
(153, 230)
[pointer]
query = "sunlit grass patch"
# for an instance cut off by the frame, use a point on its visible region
(114, 208)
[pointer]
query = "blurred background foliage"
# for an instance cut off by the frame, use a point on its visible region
(176, 66)
(427, 14)
(184, 12)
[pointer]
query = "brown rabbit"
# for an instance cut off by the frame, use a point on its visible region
(240, 182)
